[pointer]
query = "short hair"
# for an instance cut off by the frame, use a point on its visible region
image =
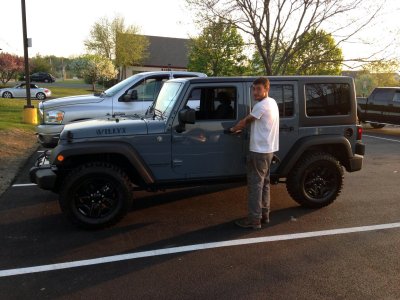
(263, 81)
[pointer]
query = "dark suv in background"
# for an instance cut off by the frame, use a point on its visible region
(42, 77)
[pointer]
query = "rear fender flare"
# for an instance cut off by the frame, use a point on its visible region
(302, 145)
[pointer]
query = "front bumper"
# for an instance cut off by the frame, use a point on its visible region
(48, 135)
(43, 174)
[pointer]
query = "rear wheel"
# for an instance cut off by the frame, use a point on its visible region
(7, 95)
(377, 125)
(316, 180)
(40, 96)
(96, 195)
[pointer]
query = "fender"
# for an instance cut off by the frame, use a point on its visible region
(305, 143)
(121, 148)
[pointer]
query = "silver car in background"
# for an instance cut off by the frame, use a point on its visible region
(132, 96)
(19, 91)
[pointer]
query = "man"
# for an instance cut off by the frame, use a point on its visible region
(264, 141)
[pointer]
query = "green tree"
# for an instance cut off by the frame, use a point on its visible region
(94, 68)
(365, 83)
(377, 74)
(218, 51)
(279, 29)
(131, 49)
(40, 64)
(318, 54)
(118, 42)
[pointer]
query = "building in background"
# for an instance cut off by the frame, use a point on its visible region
(164, 54)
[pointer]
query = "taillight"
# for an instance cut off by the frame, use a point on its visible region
(46, 90)
(359, 132)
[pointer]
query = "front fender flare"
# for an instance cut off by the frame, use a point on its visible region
(90, 148)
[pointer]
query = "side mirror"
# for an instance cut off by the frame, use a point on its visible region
(187, 116)
(130, 96)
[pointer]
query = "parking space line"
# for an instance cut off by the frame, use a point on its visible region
(196, 247)
(381, 138)
(23, 184)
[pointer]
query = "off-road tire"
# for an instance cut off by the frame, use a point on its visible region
(377, 125)
(89, 189)
(316, 180)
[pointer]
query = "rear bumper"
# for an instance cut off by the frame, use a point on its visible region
(360, 148)
(356, 162)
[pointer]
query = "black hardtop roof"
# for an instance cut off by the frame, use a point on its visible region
(319, 78)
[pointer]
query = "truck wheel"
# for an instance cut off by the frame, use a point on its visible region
(377, 125)
(316, 180)
(96, 195)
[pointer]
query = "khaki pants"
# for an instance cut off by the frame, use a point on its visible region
(258, 170)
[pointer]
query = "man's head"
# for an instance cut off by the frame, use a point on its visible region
(260, 88)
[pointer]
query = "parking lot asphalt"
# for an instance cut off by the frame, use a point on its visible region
(346, 264)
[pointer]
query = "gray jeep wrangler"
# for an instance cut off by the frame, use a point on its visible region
(185, 140)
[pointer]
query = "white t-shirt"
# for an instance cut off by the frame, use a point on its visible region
(264, 137)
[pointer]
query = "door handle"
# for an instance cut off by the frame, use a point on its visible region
(286, 128)
(178, 138)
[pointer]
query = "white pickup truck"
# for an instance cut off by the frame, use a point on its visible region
(132, 96)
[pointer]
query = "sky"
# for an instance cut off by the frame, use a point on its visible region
(60, 27)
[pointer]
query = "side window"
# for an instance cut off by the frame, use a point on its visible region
(216, 103)
(382, 96)
(284, 97)
(396, 97)
(327, 99)
(148, 89)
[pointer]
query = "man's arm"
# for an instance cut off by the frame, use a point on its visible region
(243, 123)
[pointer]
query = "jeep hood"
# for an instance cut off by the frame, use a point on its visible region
(73, 100)
(103, 129)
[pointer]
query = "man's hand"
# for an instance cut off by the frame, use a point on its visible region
(242, 124)
(239, 126)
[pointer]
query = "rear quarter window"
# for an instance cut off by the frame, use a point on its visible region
(327, 99)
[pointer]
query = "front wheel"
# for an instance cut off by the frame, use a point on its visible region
(316, 180)
(96, 195)
(40, 96)
(7, 95)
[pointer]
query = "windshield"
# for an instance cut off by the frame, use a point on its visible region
(167, 97)
(120, 85)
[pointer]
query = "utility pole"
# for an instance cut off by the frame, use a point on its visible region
(27, 78)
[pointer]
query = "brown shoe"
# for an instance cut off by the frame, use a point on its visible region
(247, 223)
